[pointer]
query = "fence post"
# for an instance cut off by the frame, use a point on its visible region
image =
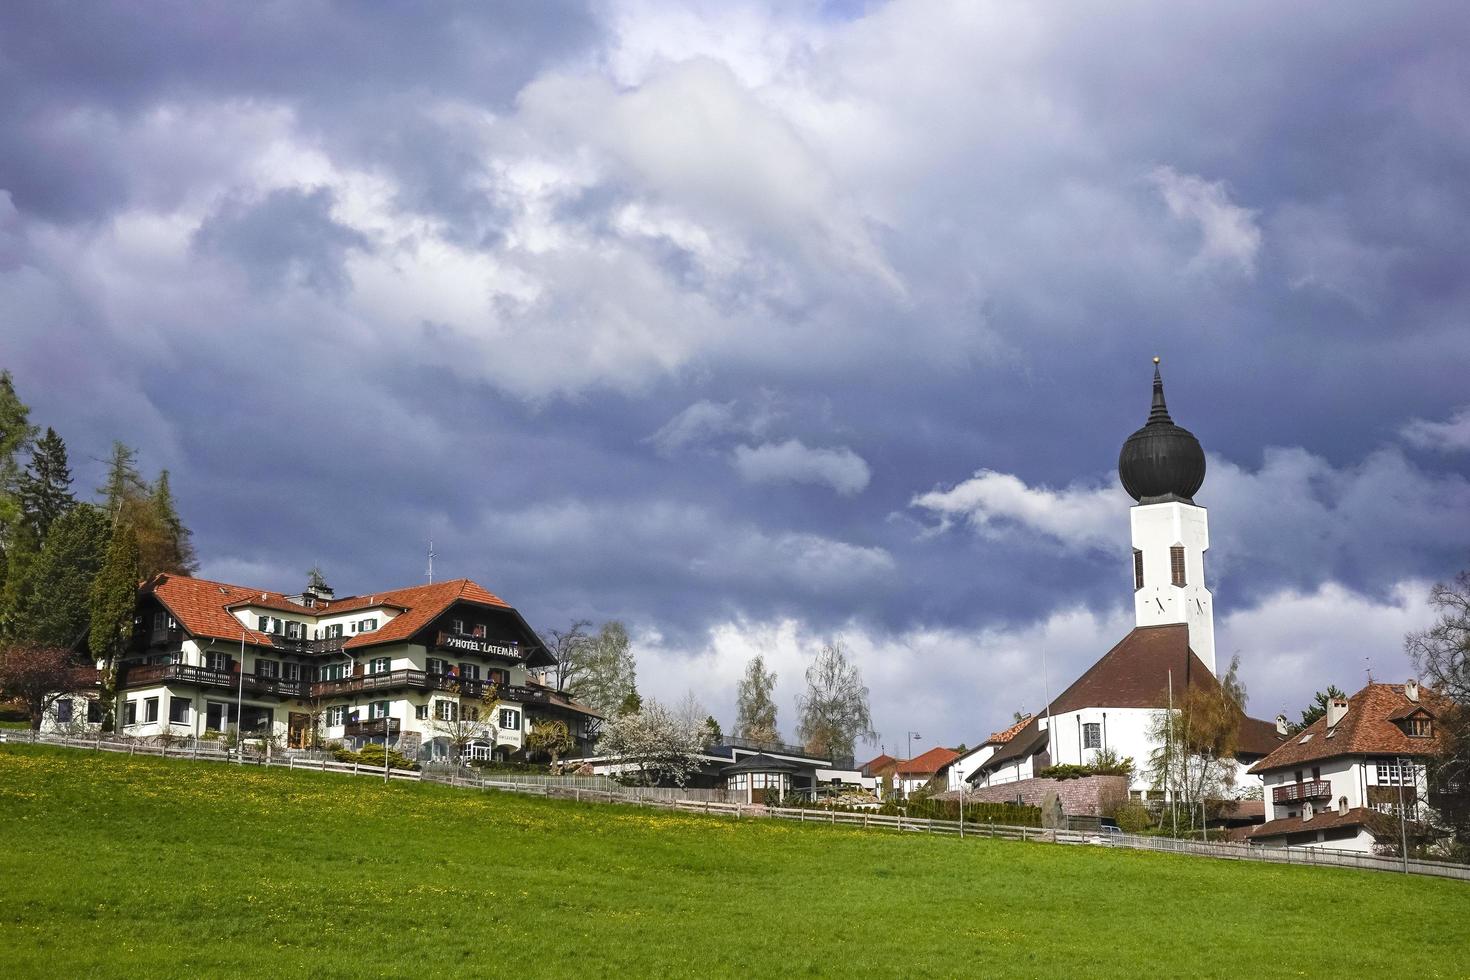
(900, 821)
(1023, 832)
(324, 763)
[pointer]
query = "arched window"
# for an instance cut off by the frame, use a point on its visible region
(1176, 564)
(1137, 569)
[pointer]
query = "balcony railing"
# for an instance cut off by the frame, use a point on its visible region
(137, 676)
(369, 728)
(1316, 789)
(424, 681)
(332, 644)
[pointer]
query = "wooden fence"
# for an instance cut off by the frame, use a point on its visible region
(571, 788)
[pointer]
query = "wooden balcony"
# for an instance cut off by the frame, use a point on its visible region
(422, 680)
(143, 674)
(370, 728)
(1316, 789)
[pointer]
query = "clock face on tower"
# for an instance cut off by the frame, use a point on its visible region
(1160, 602)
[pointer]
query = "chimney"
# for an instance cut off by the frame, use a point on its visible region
(1281, 728)
(1307, 811)
(1342, 806)
(1337, 709)
(1411, 689)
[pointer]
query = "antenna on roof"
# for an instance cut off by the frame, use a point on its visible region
(1368, 668)
(431, 561)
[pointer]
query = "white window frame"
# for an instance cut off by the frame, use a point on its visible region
(513, 715)
(1091, 735)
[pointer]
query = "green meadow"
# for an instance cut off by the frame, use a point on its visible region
(113, 866)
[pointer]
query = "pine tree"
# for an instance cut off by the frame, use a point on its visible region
(57, 605)
(16, 433)
(113, 600)
(164, 543)
(45, 486)
(21, 554)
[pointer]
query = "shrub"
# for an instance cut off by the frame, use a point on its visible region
(1132, 818)
(371, 754)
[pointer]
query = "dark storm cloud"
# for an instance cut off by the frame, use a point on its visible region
(540, 284)
(288, 237)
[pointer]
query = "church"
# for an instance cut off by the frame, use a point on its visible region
(1113, 706)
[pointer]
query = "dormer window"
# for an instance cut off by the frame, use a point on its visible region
(367, 625)
(1176, 564)
(1420, 727)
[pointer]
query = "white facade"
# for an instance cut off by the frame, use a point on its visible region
(1157, 530)
(966, 764)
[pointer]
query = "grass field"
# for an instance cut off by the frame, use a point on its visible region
(114, 866)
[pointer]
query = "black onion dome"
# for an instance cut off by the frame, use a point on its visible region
(1161, 461)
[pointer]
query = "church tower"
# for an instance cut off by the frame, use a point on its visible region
(1162, 467)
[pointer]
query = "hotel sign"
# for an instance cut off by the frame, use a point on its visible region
(479, 646)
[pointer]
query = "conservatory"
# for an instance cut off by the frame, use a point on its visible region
(755, 779)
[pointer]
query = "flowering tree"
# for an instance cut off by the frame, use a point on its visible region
(550, 736)
(36, 675)
(657, 742)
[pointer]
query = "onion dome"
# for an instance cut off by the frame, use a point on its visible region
(1161, 461)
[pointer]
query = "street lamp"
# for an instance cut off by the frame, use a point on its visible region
(912, 736)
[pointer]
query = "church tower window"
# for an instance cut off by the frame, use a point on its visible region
(1176, 564)
(1137, 569)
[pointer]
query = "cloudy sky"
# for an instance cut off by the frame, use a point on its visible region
(757, 326)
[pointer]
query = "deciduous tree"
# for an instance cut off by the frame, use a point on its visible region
(656, 743)
(1441, 655)
(601, 673)
(551, 736)
(834, 710)
(36, 675)
(1197, 740)
(755, 709)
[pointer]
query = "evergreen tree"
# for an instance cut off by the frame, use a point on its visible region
(164, 543)
(632, 702)
(45, 486)
(113, 601)
(21, 554)
(16, 433)
(57, 605)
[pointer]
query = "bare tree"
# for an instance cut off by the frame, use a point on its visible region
(37, 675)
(1196, 742)
(569, 647)
(1441, 655)
(755, 709)
(463, 719)
(834, 710)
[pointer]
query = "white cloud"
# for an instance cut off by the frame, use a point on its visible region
(996, 504)
(1451, 435)
(793, 461)
(694, 425)
(1228, 233)
(955, 685)
(1296, 516)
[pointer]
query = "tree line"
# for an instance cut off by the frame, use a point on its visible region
(70, 568)
(598, 669)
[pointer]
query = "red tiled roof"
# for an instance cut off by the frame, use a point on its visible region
(1322, 820)
(1367, 729)
(202, 607)
(928, 763)
(1006, 734)
(878, 765)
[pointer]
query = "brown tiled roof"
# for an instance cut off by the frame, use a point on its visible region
(928, 763)
(1323, 820)
(1028, 741)
(560, 699)
(202, 607)
(1136, 672)
(879, 765)
(1006, 734)
(1366, 729)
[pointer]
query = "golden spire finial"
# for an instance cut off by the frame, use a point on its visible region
(1156, 358)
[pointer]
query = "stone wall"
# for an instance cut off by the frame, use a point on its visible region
(1082, 797)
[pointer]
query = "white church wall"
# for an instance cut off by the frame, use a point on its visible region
(1156, 529)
